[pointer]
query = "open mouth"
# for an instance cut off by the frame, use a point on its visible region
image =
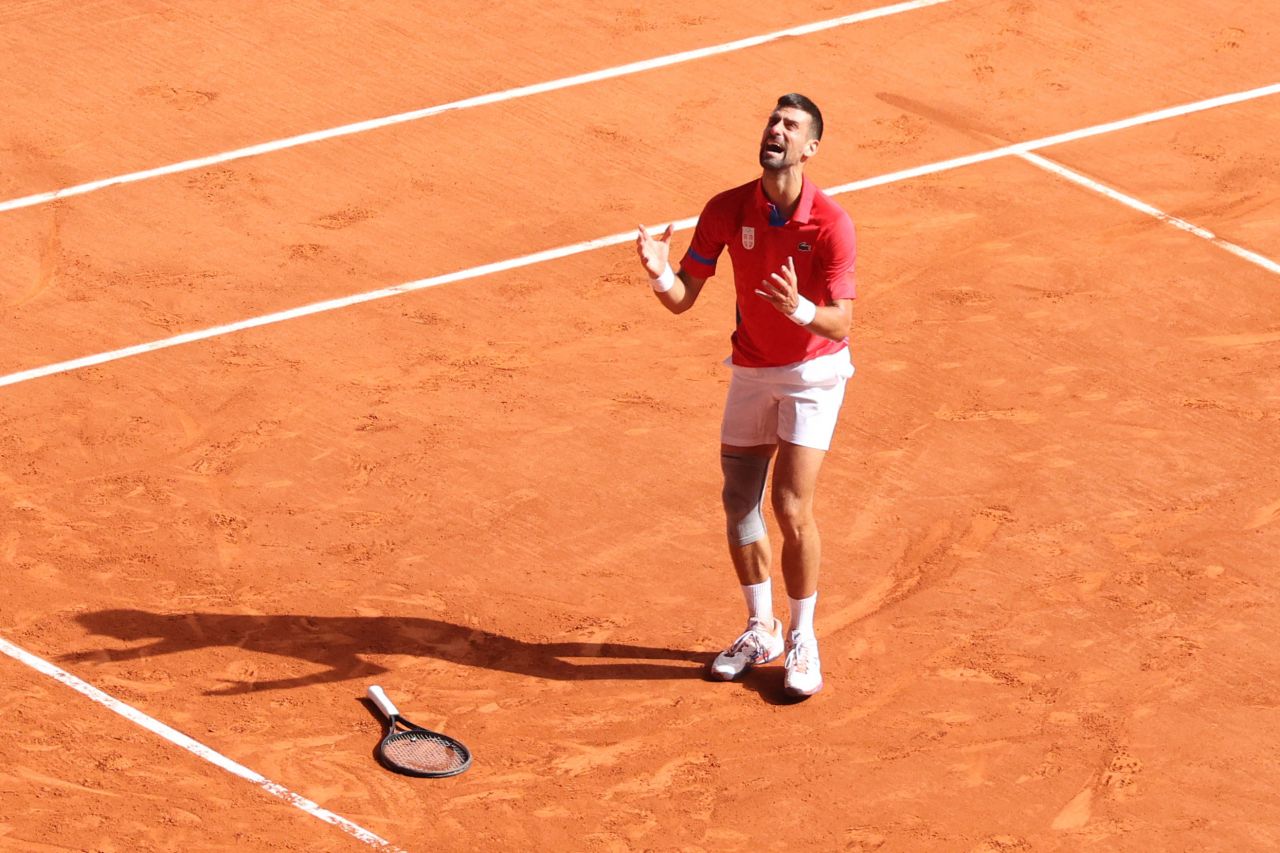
(773, 148)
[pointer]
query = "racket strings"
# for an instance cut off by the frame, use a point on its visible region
(425, 752)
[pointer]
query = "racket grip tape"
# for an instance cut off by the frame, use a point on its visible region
(384, 703)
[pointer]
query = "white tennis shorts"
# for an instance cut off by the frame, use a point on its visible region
(798, 403)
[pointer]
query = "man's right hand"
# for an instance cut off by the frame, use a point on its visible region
(654, 252)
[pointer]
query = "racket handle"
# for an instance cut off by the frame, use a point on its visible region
(378, 697)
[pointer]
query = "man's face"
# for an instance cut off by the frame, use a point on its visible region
(786, 139)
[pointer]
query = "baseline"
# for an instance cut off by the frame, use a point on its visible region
(1017, 149)
(196, 748)
(466, 103)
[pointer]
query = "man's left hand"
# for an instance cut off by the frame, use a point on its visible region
(782, 291)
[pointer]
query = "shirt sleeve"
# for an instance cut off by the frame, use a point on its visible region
(842, 246)
(707, 244)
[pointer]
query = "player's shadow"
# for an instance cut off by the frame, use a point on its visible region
(340, 644)
(769, 683)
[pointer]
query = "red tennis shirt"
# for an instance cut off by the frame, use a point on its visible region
(819, 237)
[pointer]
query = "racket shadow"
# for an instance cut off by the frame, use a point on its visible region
(339, 644)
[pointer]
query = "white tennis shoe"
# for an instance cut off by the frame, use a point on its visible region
(754, 646)
(804, 670)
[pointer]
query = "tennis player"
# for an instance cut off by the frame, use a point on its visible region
(792, 249)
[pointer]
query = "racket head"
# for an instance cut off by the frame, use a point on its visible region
(416, 751)
(423, 753)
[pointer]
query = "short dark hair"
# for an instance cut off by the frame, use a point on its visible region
(805, 105)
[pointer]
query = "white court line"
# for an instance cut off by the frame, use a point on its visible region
(174, 736)
(327, 305)
(1129, 201)
(466, 103)
(1017, 149)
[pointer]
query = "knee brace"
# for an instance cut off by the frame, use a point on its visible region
(744, 479)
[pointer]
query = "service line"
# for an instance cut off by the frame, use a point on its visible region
(1141, 206)
(1015, 150)
(1019, 148)
(467, 103)
(176, 737)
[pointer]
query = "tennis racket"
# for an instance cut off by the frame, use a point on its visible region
(414, 751)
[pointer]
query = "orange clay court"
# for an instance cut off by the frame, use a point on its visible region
(1050, 517)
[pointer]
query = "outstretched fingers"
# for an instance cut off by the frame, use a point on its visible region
(769, 291)
(665, 237)
(654, 251)
(781, 288)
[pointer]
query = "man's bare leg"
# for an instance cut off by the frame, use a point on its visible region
(795, 481)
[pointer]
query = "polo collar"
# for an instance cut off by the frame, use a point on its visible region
(804, 207)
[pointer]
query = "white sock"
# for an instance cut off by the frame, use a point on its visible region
(802, 614)
(759, 598)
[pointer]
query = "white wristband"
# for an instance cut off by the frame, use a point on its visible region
(664, 282)
(804, 313)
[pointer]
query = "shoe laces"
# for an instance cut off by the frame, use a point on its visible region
(750, 642)
(801, 654)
